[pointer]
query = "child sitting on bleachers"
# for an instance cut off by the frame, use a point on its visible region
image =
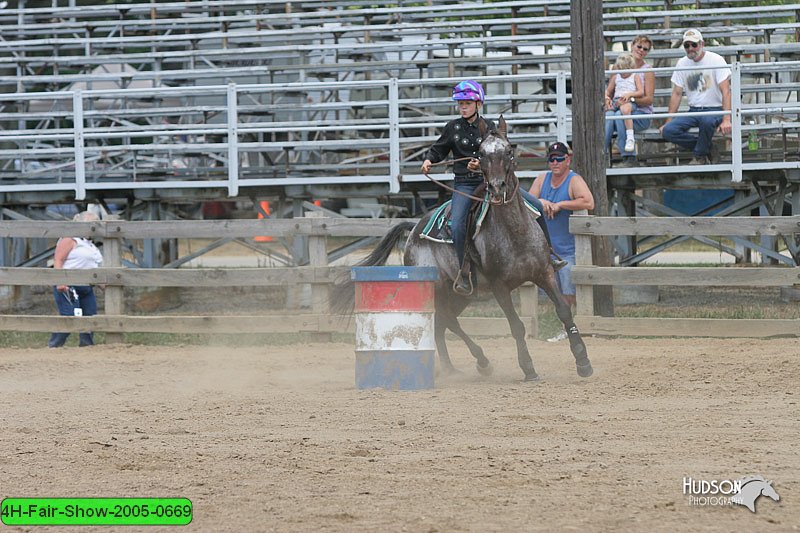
(630, 86)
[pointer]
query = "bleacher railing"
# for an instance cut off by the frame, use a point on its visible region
(237, 136)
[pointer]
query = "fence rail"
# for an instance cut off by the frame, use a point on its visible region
(587, 276)
(319, 275)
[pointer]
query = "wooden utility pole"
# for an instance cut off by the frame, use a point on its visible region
(588, 119)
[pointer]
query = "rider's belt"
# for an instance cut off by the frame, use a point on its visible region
(470, 176)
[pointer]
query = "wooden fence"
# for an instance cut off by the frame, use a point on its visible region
(318, 274)
(586, 276)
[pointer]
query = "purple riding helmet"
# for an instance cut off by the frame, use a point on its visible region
(468, 90)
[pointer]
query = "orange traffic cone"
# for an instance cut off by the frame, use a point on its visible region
(264, 211)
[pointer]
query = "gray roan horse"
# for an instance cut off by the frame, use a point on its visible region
(509, 250)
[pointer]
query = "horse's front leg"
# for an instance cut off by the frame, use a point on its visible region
(503, 297)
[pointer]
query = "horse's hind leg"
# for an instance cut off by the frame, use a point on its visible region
(483, 364)
(439, 327)
(576, 345)
(503, 297)
(451, 322)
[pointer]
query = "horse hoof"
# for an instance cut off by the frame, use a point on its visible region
(532, 377)
(586, 370)
(485, 370)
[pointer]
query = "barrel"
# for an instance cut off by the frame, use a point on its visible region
(395, 345)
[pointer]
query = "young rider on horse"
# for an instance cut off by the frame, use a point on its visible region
(462, 137)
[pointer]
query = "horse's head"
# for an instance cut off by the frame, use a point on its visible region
(769, 491)
(751, 488)
(497, 163)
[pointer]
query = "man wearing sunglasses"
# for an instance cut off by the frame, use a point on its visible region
(707, 89)
(562, 191)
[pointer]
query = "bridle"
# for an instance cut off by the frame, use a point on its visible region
(509, 174)
(504, 201)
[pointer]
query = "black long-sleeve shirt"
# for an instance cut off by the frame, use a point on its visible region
(462, 139)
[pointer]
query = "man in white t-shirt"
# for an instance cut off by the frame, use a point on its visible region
(707, 89)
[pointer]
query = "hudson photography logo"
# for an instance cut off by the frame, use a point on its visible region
(728, 492)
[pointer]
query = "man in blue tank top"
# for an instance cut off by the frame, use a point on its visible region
(561, 192)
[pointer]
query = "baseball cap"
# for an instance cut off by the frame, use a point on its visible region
(558, 148)
(692, 36)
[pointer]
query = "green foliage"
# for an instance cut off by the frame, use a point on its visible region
(27, 339)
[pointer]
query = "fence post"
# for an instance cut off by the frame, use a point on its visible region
(584, 294)
(394, 136)
(736, 122)
(115, 300)
(80, 155)
(561, 107)
(320, 292)
(233, 141)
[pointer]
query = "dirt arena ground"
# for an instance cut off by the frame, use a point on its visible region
(278, 439)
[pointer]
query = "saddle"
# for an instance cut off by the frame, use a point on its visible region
(438, 228)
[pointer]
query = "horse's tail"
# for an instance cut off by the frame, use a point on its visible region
(381, 253)
(343, 294)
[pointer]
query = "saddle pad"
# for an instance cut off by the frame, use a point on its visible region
(438, 228)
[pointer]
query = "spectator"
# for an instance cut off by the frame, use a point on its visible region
(462, 137)
(628, 86)
(706, 89)
(643, 105)
(76, 253)
(562, 191)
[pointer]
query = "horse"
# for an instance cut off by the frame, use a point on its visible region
(509, 250)
(751, 488)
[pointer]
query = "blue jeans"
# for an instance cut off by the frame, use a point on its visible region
(564, 276)
(459, 212)
(677, 131)
(533, 200)
(86, 301)
(639, 124)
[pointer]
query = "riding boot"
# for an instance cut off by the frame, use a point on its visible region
(558, 263)
(463, 284)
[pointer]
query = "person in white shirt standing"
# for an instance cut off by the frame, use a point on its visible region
(79, 300)
(707, 89)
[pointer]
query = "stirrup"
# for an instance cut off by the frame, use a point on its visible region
(464, 288)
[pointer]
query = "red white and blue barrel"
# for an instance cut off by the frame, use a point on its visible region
(394, 327)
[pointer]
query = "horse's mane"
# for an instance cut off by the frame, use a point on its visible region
(747, 479)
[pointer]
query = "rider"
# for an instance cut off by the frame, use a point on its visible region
(462, 137)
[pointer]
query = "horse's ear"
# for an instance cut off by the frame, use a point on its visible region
(503, 128)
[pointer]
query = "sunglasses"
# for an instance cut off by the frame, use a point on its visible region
(640, 47)
(556, 159)
(688, 45)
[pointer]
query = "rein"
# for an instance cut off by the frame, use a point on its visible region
(505, 199)
(447, 187)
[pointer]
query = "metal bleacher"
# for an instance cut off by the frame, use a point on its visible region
(182, 102)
